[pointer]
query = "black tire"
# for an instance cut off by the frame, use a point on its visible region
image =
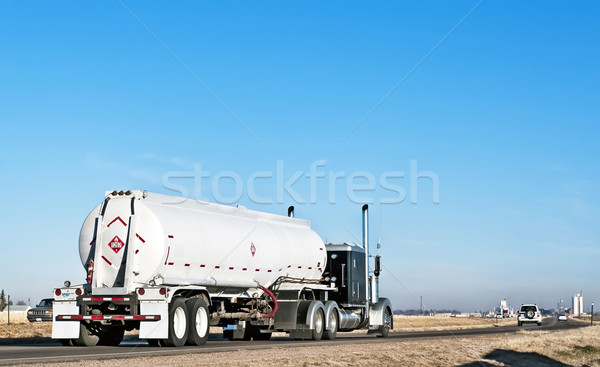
(228, 334)
(261, 336)
(519, 323)
(319, 320)
(253, 333)
(154, 342)
(111, 335)
(539, 324)
(384, 329)
(248, 332)
(86, 338)
(332, 325)
(178, 325)
(66, 342)
(198, 321)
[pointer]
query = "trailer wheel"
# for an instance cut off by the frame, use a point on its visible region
(199, 324)
(228, 334)
(86, 338)
(332, 325)
(317, 332)
(154, 342)
(384, 329)
(111, 335)
(178, 328)
(257, 335)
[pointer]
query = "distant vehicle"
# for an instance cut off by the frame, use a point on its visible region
(529, 313)
(562, 317)
(41, 312)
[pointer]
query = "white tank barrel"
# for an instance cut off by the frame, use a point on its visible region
(136, 238)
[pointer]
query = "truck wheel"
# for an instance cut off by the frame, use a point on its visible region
(228, 334)
(86, 338)
(317, 332)
(178, 328)
(384, 330)
(332, 325)
(111, 335)
(199, 324)
(257, 335)
(154, 342)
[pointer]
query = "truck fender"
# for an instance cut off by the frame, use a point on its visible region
(377, 310)
(312, 310)
(329, 305)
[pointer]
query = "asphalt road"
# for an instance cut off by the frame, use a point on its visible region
(55, 352)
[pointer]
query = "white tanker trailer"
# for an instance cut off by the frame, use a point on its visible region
(172, 268)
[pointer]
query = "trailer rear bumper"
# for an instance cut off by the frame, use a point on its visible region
(108, 317)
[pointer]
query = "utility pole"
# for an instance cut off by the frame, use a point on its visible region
(592, 321)
(8, 310)
(421, 306)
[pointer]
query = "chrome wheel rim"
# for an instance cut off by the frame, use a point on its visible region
(319, 322)
(332, 321)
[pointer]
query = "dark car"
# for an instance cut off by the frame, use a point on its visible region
(41, 312)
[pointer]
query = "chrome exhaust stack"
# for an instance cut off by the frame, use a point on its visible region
(365, 240)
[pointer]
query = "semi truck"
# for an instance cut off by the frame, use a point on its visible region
(173, 267)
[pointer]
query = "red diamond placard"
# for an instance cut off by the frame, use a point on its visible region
(252, 248)
(116, 244)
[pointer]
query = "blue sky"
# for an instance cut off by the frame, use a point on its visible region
(504, 112)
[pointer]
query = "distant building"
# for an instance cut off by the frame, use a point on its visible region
(504, 310)
(578, 304)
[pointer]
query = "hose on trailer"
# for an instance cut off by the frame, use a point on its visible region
(267, 291)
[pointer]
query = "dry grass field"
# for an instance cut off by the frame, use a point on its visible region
(16, 317)
(426, 323)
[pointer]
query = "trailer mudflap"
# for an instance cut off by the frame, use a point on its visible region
(154, 329)
(65, 329)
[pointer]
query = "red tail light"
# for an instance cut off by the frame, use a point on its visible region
(163, 291)
(141, 291)
(78, 291)
(90, 271)
(57, 292)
